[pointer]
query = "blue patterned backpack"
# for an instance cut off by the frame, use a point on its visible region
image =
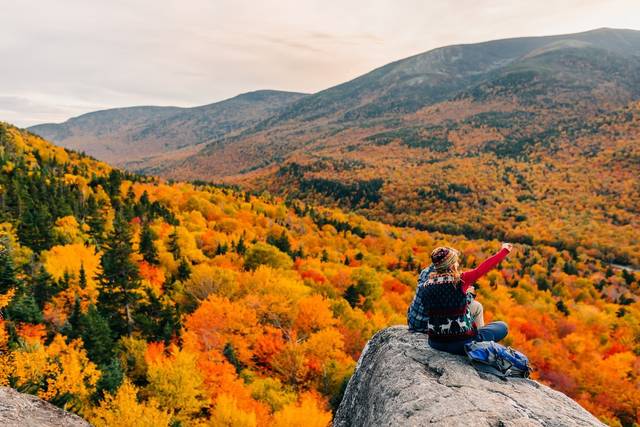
(494, 358)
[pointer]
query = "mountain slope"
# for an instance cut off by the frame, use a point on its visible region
(437, 75)
(125, 136)
(492, 139)
(126, 298)
(551, 133)
(573, 74)
(587, 71)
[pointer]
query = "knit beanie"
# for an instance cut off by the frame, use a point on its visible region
(443, 258)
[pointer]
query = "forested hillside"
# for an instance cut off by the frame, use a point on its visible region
(530, 177)
(532, 140)
(125, 297)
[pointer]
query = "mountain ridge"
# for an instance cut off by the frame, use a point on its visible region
(400, 87)
(391, 98)
(143, 131)
(493, 48)
(488, 124)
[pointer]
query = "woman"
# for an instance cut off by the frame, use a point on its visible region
(444, 305)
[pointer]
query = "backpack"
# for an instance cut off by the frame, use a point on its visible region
(494, 358)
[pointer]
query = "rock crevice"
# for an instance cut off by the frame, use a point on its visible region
(401, 381)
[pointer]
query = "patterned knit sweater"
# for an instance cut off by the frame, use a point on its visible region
(440, 306)
(447, 308)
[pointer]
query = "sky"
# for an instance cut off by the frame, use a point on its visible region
(64, 58)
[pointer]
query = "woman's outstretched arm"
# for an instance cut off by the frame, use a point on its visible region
(470, 277)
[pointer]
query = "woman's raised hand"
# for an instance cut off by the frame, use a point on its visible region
(507, 246)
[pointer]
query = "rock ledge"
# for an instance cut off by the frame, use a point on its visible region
(401, 381)
(24, 410)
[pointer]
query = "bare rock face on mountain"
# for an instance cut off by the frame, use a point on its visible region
(25, 410)
(401, 381)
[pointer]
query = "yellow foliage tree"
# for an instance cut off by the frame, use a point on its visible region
(176, 383)
(272, 392)
(307, 413)
(67, 230)
(6, 364)
(132, 358)
(206, 280)
(314, 313)
(56, 370)
(66, 261)
(124, 410)
(226, 414)
(265, 254)
(218, 322)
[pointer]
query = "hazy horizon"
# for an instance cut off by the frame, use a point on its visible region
(72, 57)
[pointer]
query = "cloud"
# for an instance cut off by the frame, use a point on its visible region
(68, 57)
(26, 111)
(293, 44)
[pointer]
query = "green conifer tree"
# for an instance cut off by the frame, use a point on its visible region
(36, 228)
(129, 204)
(23, 307)
(147, 246)
(97, 336)
(159, 320)
(120, 279)
(72, 327)
(8, 277)
(113, 184)
(241, 247)
(282, 242)
(82, 279)
(43, 287)
(184, 270)
(173, 246)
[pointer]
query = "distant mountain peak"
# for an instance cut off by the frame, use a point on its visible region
(268, 92)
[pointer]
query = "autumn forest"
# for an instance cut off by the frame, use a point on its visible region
(128, 297)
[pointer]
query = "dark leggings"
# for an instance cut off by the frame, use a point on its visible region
(494, 331)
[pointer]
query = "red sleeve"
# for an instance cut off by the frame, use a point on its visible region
(470, 277)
